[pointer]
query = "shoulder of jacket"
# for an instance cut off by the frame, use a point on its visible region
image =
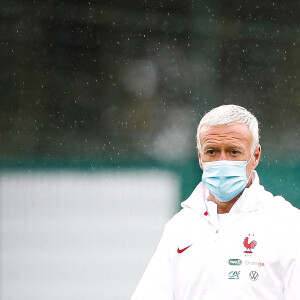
(182, 216)
(282, 210)
(272, 202)
(183, 223)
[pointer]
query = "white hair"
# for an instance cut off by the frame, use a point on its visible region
(228, 115)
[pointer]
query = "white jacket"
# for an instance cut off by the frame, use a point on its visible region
(253, 252)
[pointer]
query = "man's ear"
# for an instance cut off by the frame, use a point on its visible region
(199, 158)
(257, 154)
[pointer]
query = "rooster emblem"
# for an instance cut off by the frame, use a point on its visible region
(249, 246)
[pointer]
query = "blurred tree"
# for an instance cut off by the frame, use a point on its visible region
(106, 79)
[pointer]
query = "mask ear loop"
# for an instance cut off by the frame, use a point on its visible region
(201, 159)
(248, 163)
(250, 158)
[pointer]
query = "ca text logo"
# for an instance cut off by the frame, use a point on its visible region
(234, 275)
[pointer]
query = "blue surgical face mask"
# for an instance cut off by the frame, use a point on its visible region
(225, 179)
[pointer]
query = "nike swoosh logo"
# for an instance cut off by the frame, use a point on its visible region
(181, 250)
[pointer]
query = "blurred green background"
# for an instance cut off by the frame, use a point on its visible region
(118, 84)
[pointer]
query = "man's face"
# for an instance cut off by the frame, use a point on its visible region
(228, 143)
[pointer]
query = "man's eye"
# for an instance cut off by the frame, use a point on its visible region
(234, 152)
(211, 151)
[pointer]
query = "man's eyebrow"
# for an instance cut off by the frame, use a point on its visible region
(236, 147)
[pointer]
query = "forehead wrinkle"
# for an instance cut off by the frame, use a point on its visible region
(226, 137)
(220, 138)
(225, 140)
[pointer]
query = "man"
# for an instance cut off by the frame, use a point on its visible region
(232, 239)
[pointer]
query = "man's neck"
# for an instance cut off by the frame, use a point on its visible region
(225, 207)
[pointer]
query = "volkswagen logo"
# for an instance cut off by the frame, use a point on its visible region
(253, 275)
